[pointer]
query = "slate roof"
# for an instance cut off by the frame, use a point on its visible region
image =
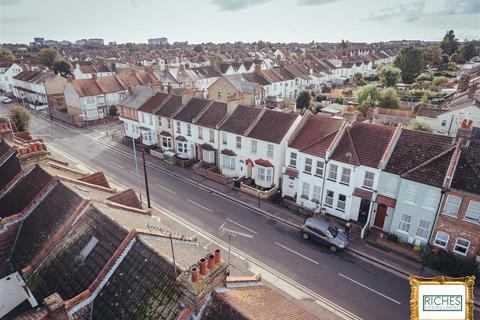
(154, 102)
(139, 96)
(241, 119)
(4, 149)
(192, 109)
(24, 192)
(254, 303)
(240, 83)
(170, 106)
(8, 170)
(414, 149)
(365, 142)
(215, 113)
(273, 126)
(64, 271)
(467, 174)
(316, 135)
(40, 225)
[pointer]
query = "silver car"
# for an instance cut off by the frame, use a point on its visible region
(324, 233)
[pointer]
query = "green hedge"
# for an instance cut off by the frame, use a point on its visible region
(449, 264)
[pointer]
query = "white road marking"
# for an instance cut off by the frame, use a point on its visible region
(139, 174)
(166, 189)
(117, 165)
(238, 224)
(293, 251)
(368, 288)
(199, 205)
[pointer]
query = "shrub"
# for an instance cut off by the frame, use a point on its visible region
(339, 100)
(320, 97)
(439, 80)
(425, 77)
(393, 237)
(20, 117)
(372, 77)
(449, 264)
(112, 111)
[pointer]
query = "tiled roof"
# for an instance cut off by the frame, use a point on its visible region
(93, 87)
(363, 144)
(241, 119)
(97, 178)
(40, 225)
(467, 174)
(316, 135)
(110, 84)
(9, 169)
(414, 149)
(127, 198)
(192, 109)
(154, 102)
(254, 303)
(24, 192)
(65, 271)
(273, 126)
(215, 113)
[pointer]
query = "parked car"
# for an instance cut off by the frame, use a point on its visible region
(324, 233)
(7, 100)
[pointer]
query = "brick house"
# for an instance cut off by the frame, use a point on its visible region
(457, 228)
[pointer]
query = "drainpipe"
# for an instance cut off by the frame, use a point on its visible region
(436, 215)
(364, 229)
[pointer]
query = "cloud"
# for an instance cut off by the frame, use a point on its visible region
(233, 5)
(407, 12)
(454, 7)
(314, 2)
(9, 2)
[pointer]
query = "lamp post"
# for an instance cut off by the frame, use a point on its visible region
(136, 168)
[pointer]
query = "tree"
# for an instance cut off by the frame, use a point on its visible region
(419, 126)
(6, 55)
(449, 43)
(113, 111)
(198, 48)
(62, 66)
(368, 95)
(410, 61)
(389, 98)
(47, 56)
(20, 117)
(261, 44)
(357, 77)
(303, 100)
(433, 55)
(390, 75)
(467, 51)
(453, 57)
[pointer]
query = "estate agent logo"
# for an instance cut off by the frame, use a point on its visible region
(441, 298)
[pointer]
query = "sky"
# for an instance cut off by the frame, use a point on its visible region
(198, 21)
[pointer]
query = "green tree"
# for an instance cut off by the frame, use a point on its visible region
(436, 81)
(467, 51)
(113, 111)
(433, 55)
(198, 48)
(261, 44)
(419, 126)
(20, 117)
(6, 55)
(62, 66)
(449, 43)
(47, 56)
(389, 98)
(303, 100)
(390, 75)
(410, 61)
(357, 77)
(368, 95)
(453, 57)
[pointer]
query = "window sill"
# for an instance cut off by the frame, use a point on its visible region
(341, 210)
(471, 221)
(450, 215)
(304, 197)
(318, 176)
(367, 188)
(460, 253)
(309, 173)
(327, 205)
(345, 184)
(410, 203)
(332, 180)
(439, 246)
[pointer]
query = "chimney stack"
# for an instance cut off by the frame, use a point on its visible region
(464, 132)
(169, 88)
(195, 274)
(203, 267)
(55, 307)
(211, 261)
(258, 67)
(218, 256)
(350, 114)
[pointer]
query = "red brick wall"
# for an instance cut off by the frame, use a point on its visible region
(456, 227)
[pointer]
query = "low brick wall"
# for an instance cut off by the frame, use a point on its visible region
(211, 173)
(399, 248)
(156, 154)
(257, 192)
(184, 163)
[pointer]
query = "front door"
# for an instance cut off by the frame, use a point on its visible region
(380, 216)
(363, 212)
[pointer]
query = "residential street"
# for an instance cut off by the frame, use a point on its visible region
(361, 288)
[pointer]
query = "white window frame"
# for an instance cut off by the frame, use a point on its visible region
(320, 168)
(411, 191)
(167, 142)
(211, 136)
(431, 196)
(305, 190)
(436, 239)
(228, 162)
(200, 133)
(328, 199)
(341, 204)
(208, 156)
(308, 165)
(182, 147)
(270, 151)
(367, 181)
(403, 223)
(293, 159)
(317, 193)
(332, 174)
(474, 211)
(423, 229)
(264, 174)
(253, 147)
(451, 207)
(238, 142)
(466, 247)
(179, 128)
(345, 177)
(224, 138)
(189, 129)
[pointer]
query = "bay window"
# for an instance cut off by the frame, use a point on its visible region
(264, 174)
(228, 162)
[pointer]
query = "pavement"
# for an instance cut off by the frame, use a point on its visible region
(362, 283)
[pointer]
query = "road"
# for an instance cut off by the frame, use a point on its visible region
(365, 290)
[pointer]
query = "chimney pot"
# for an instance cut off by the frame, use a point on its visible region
(218, 256)
(211, 261)
(195, 274)
(203, 266)
(258, 67)
(169, 88)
